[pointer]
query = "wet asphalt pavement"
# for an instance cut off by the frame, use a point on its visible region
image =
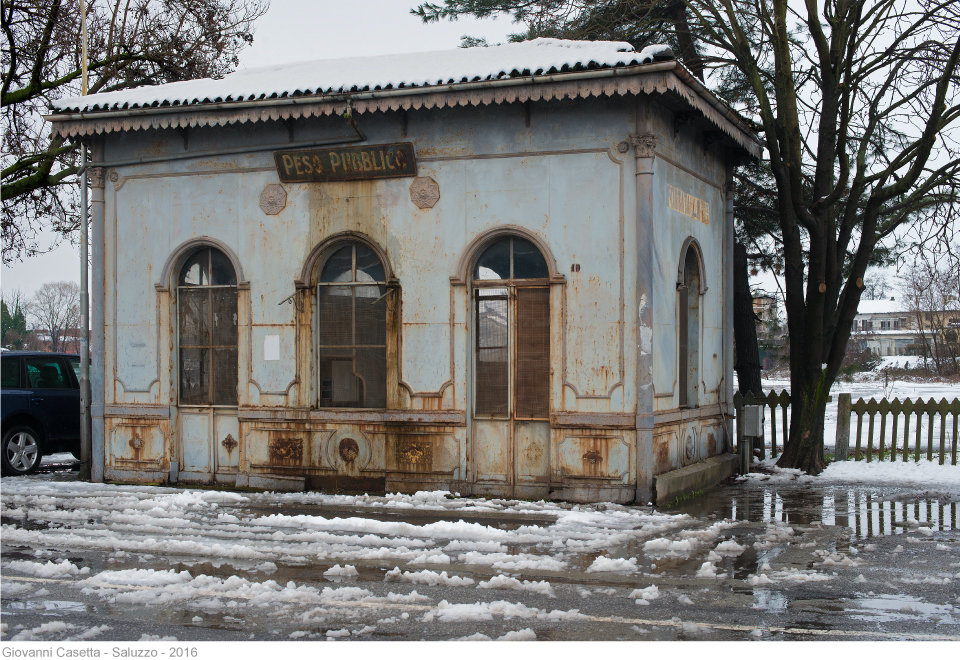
(814, 562)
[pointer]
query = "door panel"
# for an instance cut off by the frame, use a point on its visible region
(227, 439)
(195, 438)
(491, 450)
(511, 407)
(533, 451)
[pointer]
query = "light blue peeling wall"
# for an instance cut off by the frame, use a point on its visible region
(573, 201)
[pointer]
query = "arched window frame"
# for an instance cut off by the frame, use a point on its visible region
(514, 295)
(310, 281)
(689, 331)
(173, 274)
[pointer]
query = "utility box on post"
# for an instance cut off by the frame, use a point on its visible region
(752, 428)
(753, 421)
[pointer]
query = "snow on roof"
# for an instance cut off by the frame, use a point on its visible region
(880, 307)
(536, 57)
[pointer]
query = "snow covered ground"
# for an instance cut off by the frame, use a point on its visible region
(98, 562)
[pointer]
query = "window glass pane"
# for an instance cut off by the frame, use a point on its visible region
(351, 337)
(336, 315)
(75, 363)
(221, 269)
(492, 349)
(224, 317)
(337, 384)
(494, 263)
(47, 373)
(339, 267)
(492, 292)
(371, 370)
(194, 309)
(532, 381)
(225, 376)
(194, 376)
(369, 268)
(196, 269)
(371, 317)
(10, 372)
(528, 263)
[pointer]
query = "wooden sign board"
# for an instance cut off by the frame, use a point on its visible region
(376, 161)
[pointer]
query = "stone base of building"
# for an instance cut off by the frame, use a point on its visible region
(670, 486)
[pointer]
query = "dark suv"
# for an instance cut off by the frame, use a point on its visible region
(40, 402)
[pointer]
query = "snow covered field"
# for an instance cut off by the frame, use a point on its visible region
(867, 389)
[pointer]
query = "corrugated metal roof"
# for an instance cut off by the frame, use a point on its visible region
(536, 57)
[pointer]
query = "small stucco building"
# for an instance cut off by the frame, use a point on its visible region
(497, 271)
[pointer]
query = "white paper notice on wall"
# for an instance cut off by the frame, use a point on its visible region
(271, 347)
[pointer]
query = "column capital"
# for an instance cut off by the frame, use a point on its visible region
(95, 177)
(645, 145)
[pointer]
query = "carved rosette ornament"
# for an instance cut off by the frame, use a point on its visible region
(645, 145)
(424, 192)
(273, 199)
(95, 177)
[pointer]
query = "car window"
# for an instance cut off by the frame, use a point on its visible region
(47, 373)
(10, 372)
(75, 363)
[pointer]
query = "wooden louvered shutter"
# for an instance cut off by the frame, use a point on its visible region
(532, 378)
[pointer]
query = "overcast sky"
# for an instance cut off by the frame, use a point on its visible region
(295, 30)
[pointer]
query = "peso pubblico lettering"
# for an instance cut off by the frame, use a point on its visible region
(379, 161)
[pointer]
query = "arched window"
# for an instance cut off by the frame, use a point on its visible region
(352, 328)
(207, 329)
(512, 298)
(688, 330)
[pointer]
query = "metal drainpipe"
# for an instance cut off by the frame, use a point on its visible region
(85, 437)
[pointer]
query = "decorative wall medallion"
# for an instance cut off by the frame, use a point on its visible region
(273, 199)
(114, 176)
(229, 443)
(136, 442)
(414, 451)
(349, 450)
(623, 147)
(593, 457)
(424, 192)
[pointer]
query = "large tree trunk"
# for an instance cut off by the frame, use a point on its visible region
(745, 326)
(688, 49)
(804, 448)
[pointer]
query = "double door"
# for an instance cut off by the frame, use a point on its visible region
(511, 389)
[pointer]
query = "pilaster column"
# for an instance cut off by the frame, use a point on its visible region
(645, 151)
(95, 177)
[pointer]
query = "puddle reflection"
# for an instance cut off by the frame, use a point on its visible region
(865, 514)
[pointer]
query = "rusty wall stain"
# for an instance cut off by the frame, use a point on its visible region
(414, 451)
(286, 450)
(661, 449)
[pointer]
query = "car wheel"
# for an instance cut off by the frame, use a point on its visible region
(21, 451)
